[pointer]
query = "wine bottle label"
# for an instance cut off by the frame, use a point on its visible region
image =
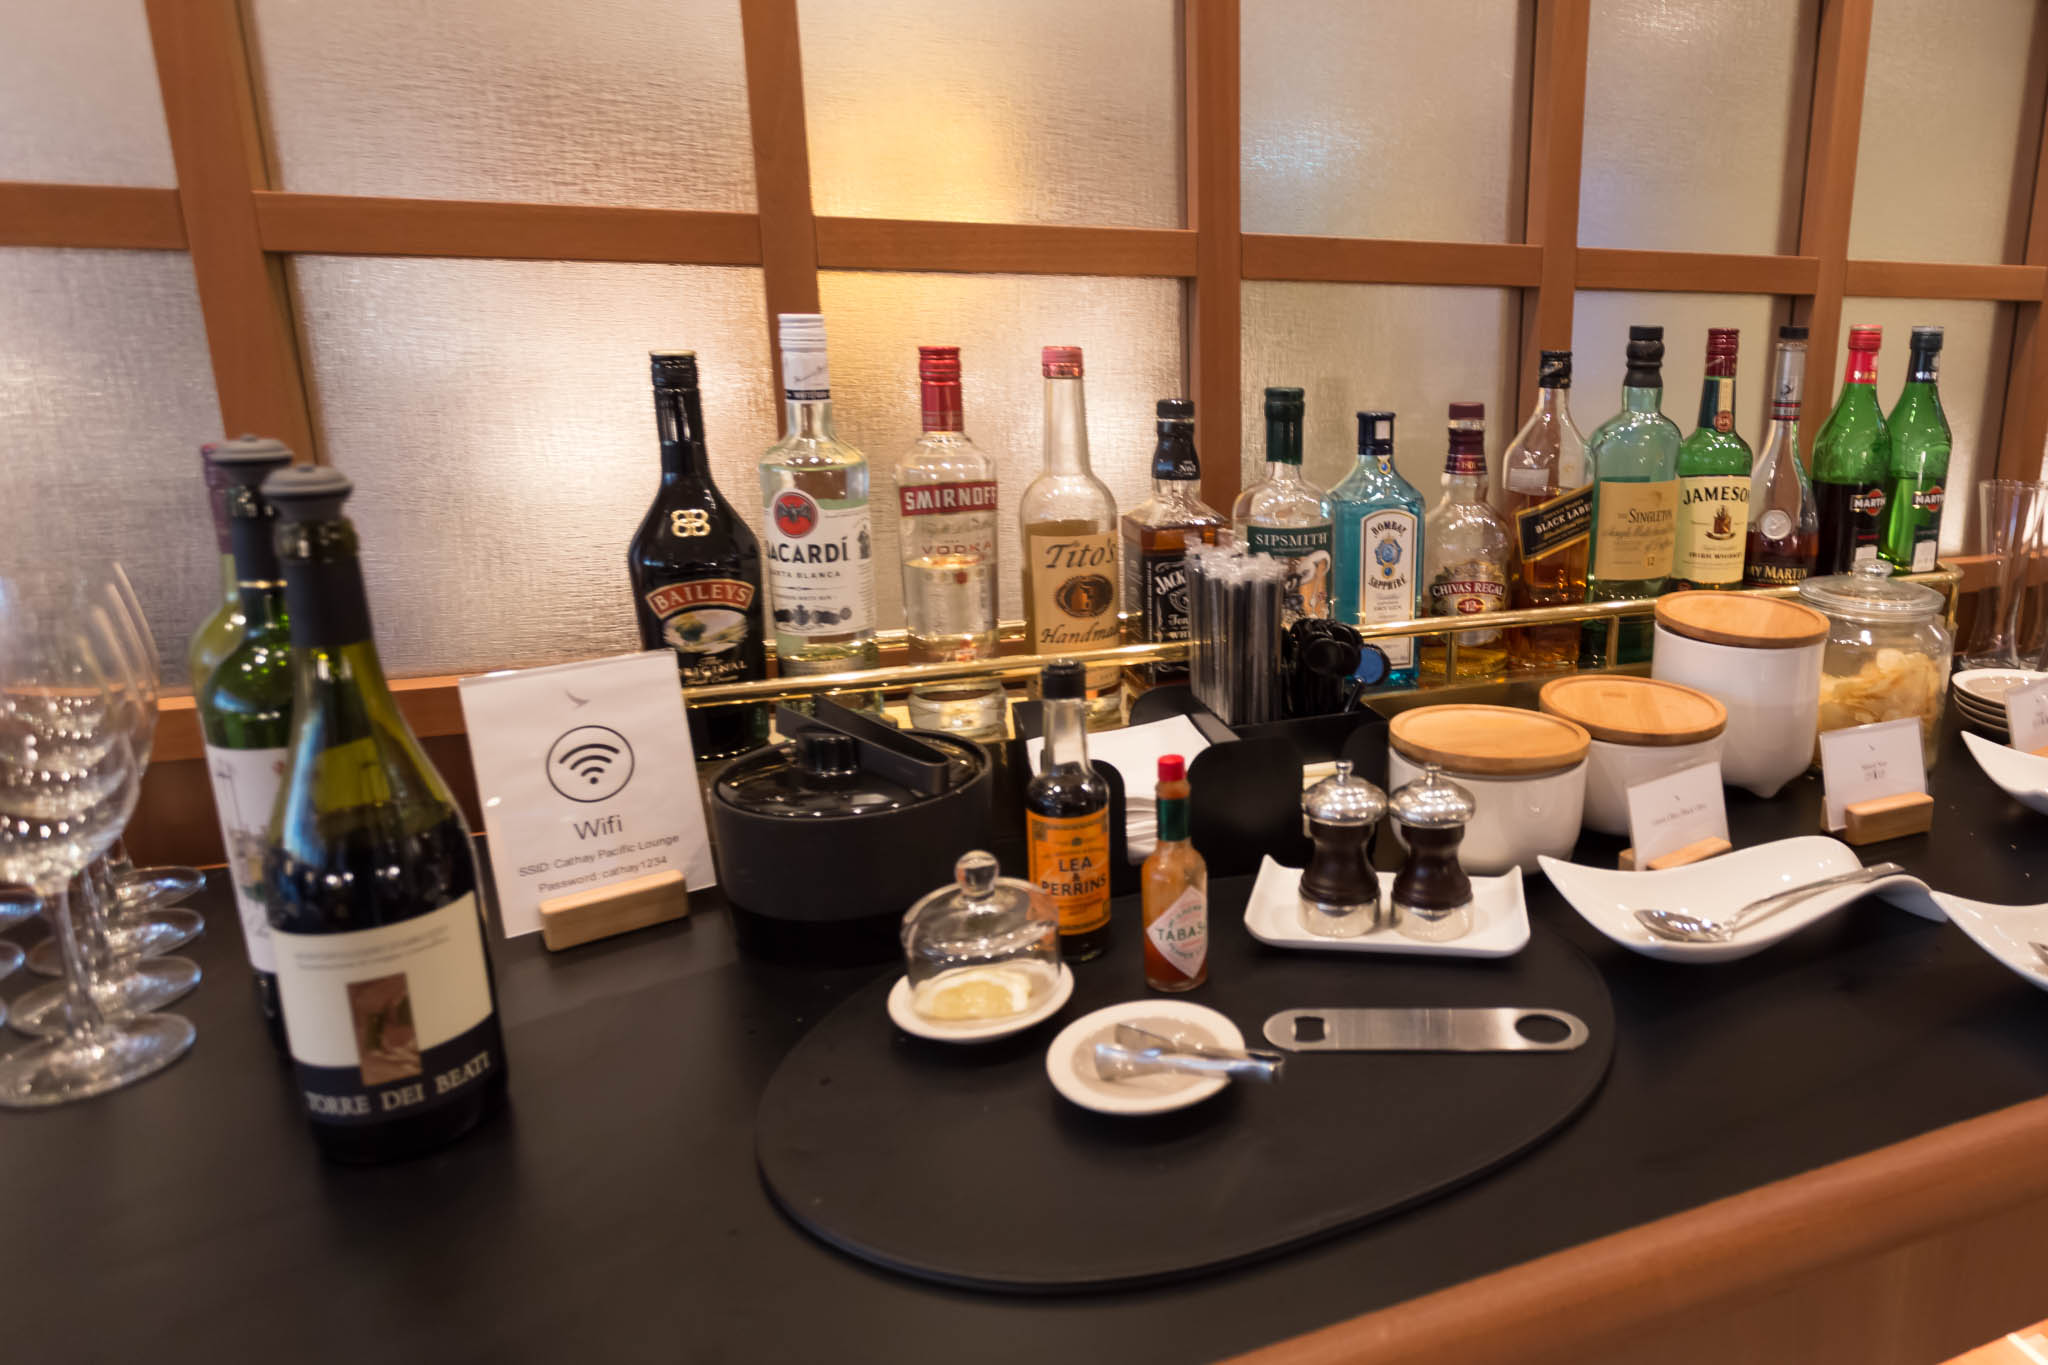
(1307, 552)
(1073, 590)
(1180, 933)
(1713, 519)
(1548, 527)
(806, 376)
(819, 565)
(1635, 530)
(1070, 867)
(1165, 588)
(245, 783)
(389, 1021)
(704, 620)
(1470, 587)
(1764, 573)
(945, 499)
(1386, 577)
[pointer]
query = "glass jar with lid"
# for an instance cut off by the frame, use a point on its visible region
(986, 947)
(1888, 651)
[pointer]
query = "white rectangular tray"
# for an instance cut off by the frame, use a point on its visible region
(1500, 919)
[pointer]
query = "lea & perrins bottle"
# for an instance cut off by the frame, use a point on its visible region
(1066, 817)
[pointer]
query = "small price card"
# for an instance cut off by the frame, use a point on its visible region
(1864, 762)
(2026, 712)
(586, 778)
(1676, 810)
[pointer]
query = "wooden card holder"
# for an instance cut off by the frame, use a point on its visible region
(2041, 752)
(1887, 817)
(1693, 852)
(619, 908)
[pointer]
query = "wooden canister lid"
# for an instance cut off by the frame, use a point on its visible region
(1487, 741)
(1645, 712)
(1729, 618)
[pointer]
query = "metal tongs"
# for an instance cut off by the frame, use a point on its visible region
(1139, 1051)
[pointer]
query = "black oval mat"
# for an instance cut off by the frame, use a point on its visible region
(963, 1165)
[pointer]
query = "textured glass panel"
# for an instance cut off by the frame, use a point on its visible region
(1386, 118)
(1129, 332)
(1951, 119)
(1696, 118)
(106, 395)
(1057, 111)
(635, 102)
(78, 95)
(496, 418)
(1976, 353)
(1412, 349)
(1600, 323)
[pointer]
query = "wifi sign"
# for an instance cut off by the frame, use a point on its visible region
(590, 763)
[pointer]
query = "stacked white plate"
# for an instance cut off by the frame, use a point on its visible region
(1979, 695)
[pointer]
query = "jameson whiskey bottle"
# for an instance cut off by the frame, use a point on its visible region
(1783, 524)
(222, 631)
(1851, 460)
(1286, 516)
(1378, 519)
(696, 569)
(375, 915)
(1466, 565)
(1713, 479)
(946, 495)
(1066, 817)
(814, 492)
(1156, 535)
(1068, 521)
(1549, 505)
(1634, 456)
(245, 702)
(1916, 481)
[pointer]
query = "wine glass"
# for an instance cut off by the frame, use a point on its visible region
(68, 782)
(143, 887)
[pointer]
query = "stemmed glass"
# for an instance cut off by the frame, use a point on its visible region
(141, 888)
(68, 781)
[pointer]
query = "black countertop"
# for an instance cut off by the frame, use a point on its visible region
(614, 1211)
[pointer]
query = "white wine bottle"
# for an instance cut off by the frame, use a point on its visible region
(375, 913)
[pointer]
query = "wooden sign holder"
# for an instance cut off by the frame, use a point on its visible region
(1697, 851)
(619, 908)
(1887, 817)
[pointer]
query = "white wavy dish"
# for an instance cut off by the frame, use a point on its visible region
(2022, 776)
(1070, 1061)
(1500, 918)
(1989, 685)
(2007, 932)
(1715, 889)
(976, 1030)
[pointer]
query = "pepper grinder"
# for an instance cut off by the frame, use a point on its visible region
(1432, 894)
(1340, 893)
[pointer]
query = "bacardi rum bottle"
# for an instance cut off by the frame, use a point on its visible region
(1713, 479)
(1466, 554)
(1068, 520)
(1783, 524)
(1851, 459)
(1156, 535)
(1918, 478)
(1549, 504)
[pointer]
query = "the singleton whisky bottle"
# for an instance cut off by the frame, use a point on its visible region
(1377, 516)
(814, 494)
(696, 569)
(1783, 524)
(1634, 458)
(1466, 555)
(1549, 504)
(1916, 482)
(245, 703)
(1851, 459)
(1068, 521)
(217, 637)
(1286, 516)
(1713, 479)
(1066, 817)
(375, 914)
(1156, 534)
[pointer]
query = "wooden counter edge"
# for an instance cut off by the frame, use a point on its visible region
(1747, 1244)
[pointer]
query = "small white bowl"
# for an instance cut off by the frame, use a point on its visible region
(977, 1030)
(1611, 769)
(2022, 776)
(1773, 701)
(1715, 889)
(1070, 1061)
(1517, 820)
(2007, 932)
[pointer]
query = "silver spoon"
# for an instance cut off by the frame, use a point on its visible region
(1680, 927)
(1139, 1051)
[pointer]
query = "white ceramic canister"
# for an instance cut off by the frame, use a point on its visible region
(1526, 772)
(1759, 657)
(1641, 729)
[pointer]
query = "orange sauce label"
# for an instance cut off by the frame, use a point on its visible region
(1070, 867)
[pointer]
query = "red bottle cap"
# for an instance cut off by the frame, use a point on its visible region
(1172, 768)
(1723, 340)
(939, 363)
(1865, 336)
(1061, 362)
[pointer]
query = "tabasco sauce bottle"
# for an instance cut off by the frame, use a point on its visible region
(1174, 891)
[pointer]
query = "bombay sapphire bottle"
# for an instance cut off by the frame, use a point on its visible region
(1378, 517)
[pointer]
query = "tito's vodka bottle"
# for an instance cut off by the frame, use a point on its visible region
(1465, 546)
(1918, 478)
(946, 494)
(814, 491)
(1068, 519)
(1851, 458)
(1783, 525)
(1549, 505)
(1286, 516)
(1634, 456)
(1713, 479)
(1157, 533)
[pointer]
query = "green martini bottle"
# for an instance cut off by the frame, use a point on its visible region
(1916, 484)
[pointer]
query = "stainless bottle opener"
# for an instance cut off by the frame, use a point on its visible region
(1420, 1030)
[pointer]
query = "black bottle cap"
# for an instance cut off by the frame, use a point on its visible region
(827, 757)
(246, 460)
(1284, 404)
(1640, 333)
(1645, 358)
(308, 492)
(1554, 370)
(1791, 332)
(673, 369)
(1375, 432)
(1176, 410)
(1063, 680)
(1926, 338)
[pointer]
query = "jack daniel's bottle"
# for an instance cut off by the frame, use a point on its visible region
(696, 569)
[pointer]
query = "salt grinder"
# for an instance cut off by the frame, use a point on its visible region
(1432, 894)
(1340, 893)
